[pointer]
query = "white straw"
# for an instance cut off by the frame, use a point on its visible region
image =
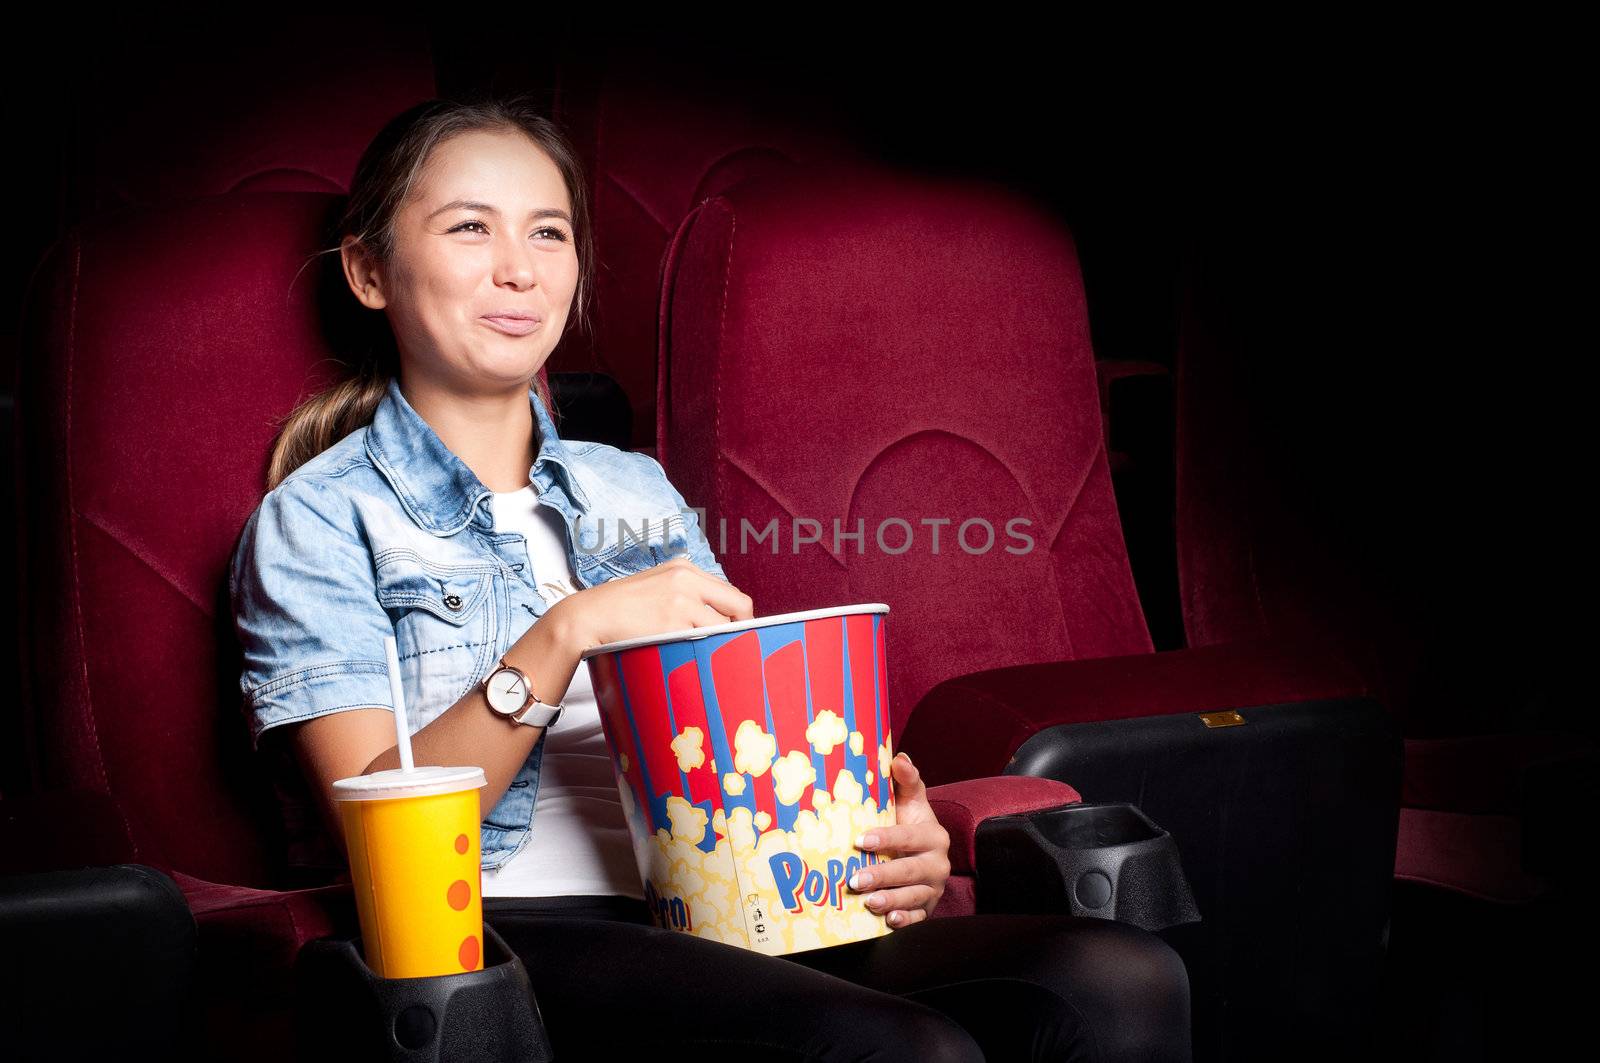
(401, 732)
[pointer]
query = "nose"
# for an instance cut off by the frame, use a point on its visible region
(516, 265)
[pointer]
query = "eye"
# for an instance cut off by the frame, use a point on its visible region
(555, 232)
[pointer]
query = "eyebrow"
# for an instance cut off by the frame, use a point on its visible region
(471, 204)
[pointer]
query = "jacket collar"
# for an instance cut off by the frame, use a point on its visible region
(436, 488)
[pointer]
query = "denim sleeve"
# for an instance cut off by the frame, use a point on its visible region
(699, 548)
(306, 610)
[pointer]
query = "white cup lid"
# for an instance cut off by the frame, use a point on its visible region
(422, 781)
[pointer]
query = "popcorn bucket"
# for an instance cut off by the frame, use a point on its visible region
(749, 757)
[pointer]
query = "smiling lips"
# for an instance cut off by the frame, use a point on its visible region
(512, 324)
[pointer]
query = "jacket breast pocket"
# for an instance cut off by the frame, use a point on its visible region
(444, 628)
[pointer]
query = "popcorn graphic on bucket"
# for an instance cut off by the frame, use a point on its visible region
(749, 756)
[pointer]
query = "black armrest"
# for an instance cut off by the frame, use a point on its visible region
(1102, 861)
(98, 964)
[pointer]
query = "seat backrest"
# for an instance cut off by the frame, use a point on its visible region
(661, 131)
(1257, 520)
(278, 109)
(848, 344)
(658, 131)
(161, 346)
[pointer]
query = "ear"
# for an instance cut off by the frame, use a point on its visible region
(361, 272)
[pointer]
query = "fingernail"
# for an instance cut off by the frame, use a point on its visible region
(875, 900)
(860, 880)
(894, 918)
(867, 841)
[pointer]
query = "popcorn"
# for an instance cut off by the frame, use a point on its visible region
(689, 747)
(753, 749)
(742, 829)
(800, 870)
(688, 822)
(825, 732)
(759, 856)
(846, 789)
(792, 775)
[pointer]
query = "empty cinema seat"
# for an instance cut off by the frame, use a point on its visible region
(1256, 560)
(927, 354)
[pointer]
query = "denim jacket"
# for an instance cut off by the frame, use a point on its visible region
(387, 532)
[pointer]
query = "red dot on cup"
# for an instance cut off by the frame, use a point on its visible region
(461, 843)
(459, 894)
(469, 953)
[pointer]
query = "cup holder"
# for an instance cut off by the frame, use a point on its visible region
(1105, 861)
(344, 1013)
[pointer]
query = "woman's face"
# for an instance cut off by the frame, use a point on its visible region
(487, 231)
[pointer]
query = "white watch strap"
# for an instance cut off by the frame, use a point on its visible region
(538, 714)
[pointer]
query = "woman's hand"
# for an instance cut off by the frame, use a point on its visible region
(672, 596)
(908, 887)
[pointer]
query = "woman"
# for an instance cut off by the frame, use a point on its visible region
(430, 497)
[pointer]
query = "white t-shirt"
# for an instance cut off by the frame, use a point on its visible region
(579, 840)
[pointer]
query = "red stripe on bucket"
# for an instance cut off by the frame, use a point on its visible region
(885, 714)
(786, 694)
(689, 710)
(858, 629)
(736, 673)
(786, 690)
(614, 721)
(825, 658)
(647, 695)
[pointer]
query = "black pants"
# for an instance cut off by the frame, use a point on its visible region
(996, 987)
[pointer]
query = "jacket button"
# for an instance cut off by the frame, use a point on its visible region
(452, 601)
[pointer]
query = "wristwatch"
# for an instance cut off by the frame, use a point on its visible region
(509, 692)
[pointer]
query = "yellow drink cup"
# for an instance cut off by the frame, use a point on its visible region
(414, 862)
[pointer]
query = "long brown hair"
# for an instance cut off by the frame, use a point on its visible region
(385, 176)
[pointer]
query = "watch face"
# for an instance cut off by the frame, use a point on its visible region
(506, 691)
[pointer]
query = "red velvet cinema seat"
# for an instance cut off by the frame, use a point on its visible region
(924, 346)
(283, 110)
(151, 380)
(659, 130)
(277, 108)
(1472, 818)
